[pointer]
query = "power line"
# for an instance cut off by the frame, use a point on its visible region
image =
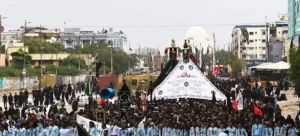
(145, 26)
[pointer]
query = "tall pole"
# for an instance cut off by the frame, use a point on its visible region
(267, 40)
(57, 36)
(111, 60)
(41, 65)
(129, 59)
(213, 53)
(25, 29)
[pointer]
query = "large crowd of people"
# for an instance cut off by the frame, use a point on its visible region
(46, 114)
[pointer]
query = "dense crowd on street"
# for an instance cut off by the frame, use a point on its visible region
(46, 114)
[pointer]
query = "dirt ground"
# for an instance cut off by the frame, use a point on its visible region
(290, 106)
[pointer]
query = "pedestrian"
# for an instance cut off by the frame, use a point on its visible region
(5, 100)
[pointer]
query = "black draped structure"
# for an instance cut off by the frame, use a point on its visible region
(81, 130)
(124, 96)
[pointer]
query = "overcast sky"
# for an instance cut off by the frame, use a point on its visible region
(173, 16)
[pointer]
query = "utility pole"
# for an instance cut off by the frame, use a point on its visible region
(267, 40)
(111, 60)
(57, 36)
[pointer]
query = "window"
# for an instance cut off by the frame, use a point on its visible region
(263, 48)
(251, 33)
(263, 33)
(263, 40)
(250, 40)
(255, 40)
(255, 32)
(250, 48)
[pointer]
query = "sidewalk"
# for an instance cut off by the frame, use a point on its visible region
(290, 106)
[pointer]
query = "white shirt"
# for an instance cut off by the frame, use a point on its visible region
(64, 132)
(115, 130)
(223, 134)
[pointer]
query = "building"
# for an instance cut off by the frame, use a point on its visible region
(54, 59)
(293, 25)
(15, 36)
(145, 51)
(11, 36)
(249, 42)
(74, 37)
(293, 19)
(256, 43)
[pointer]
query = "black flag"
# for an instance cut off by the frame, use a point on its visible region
(292, 45)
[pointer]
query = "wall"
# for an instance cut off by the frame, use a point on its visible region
(276, 50)
(16, 83)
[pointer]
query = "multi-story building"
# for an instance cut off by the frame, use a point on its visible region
(256, 43)
(249, 42)
(145, 51)
(293, 20)
(72, 37)
(11, 36)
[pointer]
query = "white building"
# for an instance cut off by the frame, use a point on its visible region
(72, 37)
(249, 42)
(11, 36)
(146, 51)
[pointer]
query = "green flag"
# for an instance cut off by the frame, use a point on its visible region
(92, 89)
(87, 88)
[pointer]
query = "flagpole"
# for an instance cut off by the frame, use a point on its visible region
(129, 58)
(214, 51)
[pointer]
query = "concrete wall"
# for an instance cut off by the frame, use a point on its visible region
(16, 83)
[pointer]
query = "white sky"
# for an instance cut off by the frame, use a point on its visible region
(94, 14)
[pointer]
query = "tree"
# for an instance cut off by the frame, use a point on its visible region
(236, 67)
(34, 46)
(294, 71)
(18, 58)
(73, 62)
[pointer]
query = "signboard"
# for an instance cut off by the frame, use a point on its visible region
(251, 63)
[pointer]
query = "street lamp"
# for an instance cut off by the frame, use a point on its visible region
(41, 65)
(128, 53)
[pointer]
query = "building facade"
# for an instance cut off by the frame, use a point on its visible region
(256, 43)
(74, 37)
(294, 22)
(249, 42)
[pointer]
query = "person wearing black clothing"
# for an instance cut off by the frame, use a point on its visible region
(51, 97)
(41, 97)
(16, 98)
(5, 100)
(10, 100)
(21, 97)
(47, 98)
(26, 95)
(35, 98)
(74, 105)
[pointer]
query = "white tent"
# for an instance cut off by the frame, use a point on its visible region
(263, 64)
(186, 81)
(276, 66)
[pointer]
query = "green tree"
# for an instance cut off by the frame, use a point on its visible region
(236, 67)
(34, 46)
(294, 71)
(18, 58)
(73, 62)
(224, 57)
